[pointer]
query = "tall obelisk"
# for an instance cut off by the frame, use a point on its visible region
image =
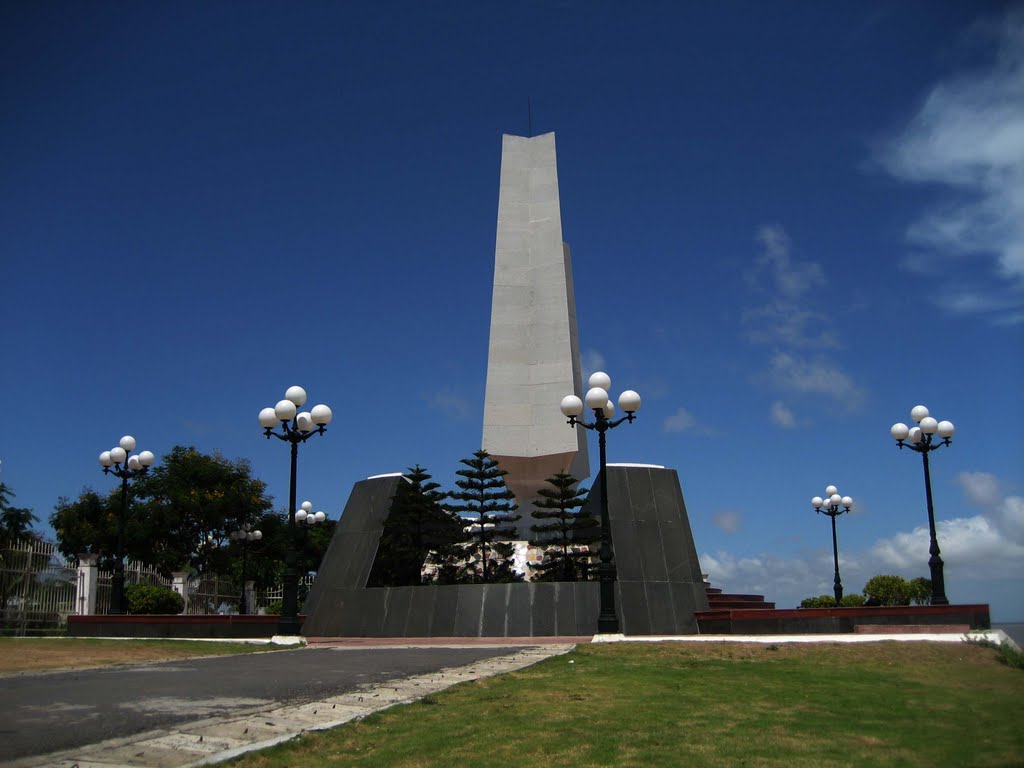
(533, 358)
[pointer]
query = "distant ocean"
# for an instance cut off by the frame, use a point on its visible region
(1014, 629)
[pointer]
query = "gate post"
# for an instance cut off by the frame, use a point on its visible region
(85, 584)
(180, 585)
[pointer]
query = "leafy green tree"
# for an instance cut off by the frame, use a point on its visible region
(15, 522)
(265, 560)
(189, 504)
(181, 514)
(888, 589)
(489, 504)
(921, 591)
(87, 525)
(416, 525)
(852, 600)
(563, 525)
(821, 601)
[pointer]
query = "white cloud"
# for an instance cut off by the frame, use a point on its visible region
(974, 546)
(968, 137)
(981, 488)
(820, 376)
(684, 421)
(791, 280)
(1011, 518)
(680, 421)
(789, 285)
(727, 521)
(451, 404)
(782, 415)
(591, 361)
(786, 323)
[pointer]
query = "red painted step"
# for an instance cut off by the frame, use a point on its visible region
(725, 600)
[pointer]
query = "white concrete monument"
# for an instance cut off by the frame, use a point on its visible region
(533, 359)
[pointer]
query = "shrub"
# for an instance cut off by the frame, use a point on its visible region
(274, 608)
(852, 601)
(148, 600)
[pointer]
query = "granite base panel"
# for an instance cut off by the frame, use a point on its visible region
(659, 587)
(230, 627)
(804, 621)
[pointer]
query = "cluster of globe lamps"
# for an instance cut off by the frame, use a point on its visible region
(245, 536)
(833, 505)
(295, 427)
(929, 435)
(120, 462)
(598, 401)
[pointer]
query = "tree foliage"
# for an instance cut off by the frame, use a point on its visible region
(485, 500)
(195, 501)
(920, 591)
(416, 525)
(180, 514)
(15, 522)
(888, 589)
(87, 525)
(852, 600)
(562, 529)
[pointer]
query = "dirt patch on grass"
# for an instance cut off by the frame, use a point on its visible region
(45, 654)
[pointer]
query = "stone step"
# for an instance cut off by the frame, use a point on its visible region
(750, 605)
(735, 596)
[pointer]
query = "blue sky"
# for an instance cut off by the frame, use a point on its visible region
(790, 223)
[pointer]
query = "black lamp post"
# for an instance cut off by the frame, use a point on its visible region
(833, 505)
(922, 439)
(245, 536)
(598, 401)
(295, 428)
(118, 463)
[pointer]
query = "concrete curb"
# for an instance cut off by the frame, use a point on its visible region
(996, 636)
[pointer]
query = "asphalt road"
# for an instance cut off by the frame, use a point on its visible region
(47, 712)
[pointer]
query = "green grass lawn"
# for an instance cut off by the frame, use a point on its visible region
(679, 704)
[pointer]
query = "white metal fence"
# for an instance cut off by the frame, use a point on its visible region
(38, 589)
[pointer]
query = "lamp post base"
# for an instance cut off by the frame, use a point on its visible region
(117, 604)
(289, 625)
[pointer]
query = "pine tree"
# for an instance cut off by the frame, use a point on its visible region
(489, 505)
(566, 528)
(416, 524)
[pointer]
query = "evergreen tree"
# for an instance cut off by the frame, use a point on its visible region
(488, 503)
(564, 526)
(416, 525)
